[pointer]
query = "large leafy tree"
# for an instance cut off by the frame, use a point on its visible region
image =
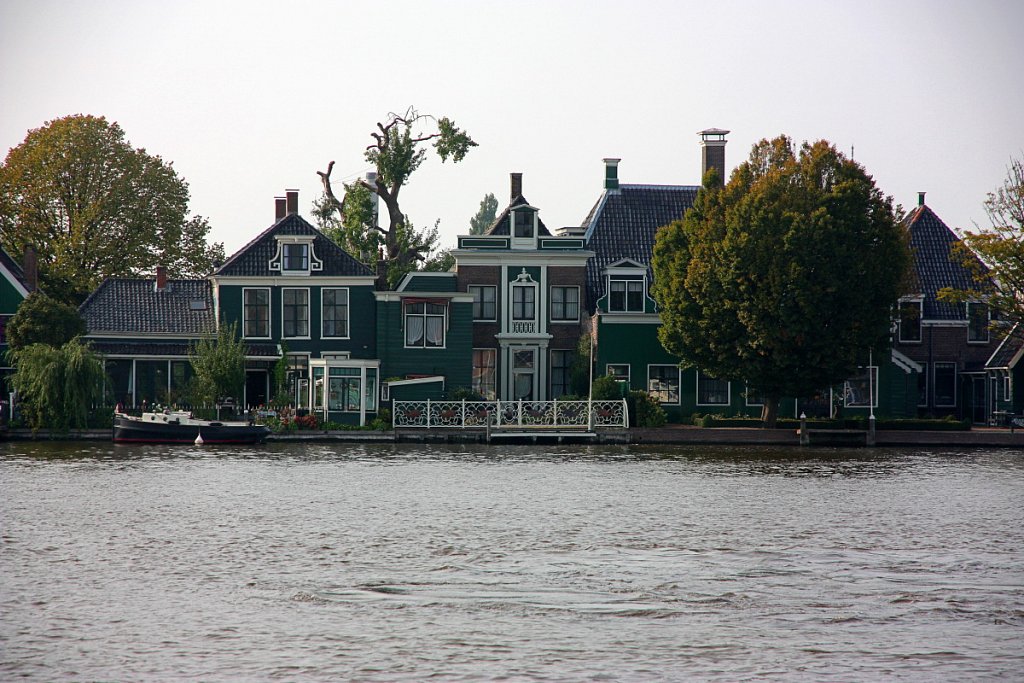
(786, 276)
(397, 151)
(218, 365)
(94, 206)
(41, 319)
(999, 275)
(485, 216)
(57, 386)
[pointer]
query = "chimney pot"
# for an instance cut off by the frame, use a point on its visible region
(161, 278)
(712, 143)
(611, 174)
(517, 185)
(30, 268)
(280, 208)
(920, 198)
(292, 197)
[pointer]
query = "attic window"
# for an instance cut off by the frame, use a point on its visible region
(296, 257)
(522, 222)
(197, 304)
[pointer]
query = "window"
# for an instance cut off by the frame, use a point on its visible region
(561, 372)
(977, 322)
(424, 324)
(296, 312)
(619, 372)
(335, 312)
(753, 396)
(663, 383)
(861, 389)
(484, 297)
(945, 385)
(344, 391)
(485, 373)
(626, 295)
(910, 321)
(523, 369)
(565, 303)
(1006, 387)
(256, 313)
(296, 257)
(298, 379)
(523, 302)
(711, 391)
(523, 223)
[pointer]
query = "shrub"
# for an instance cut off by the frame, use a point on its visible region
(645, 411)
(606, 388)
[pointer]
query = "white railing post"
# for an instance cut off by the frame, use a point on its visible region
(590, 414)
(625, 414)
(428, 413)
(463, 413)
(520, 412)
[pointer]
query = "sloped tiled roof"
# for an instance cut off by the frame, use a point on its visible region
(253, 260)
(623, 222)
(163, 348)
(133, 306)
(14, 267)
(935, 266)
(1008, 352)
(500, 226)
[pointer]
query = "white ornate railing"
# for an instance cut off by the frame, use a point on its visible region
(511, 414)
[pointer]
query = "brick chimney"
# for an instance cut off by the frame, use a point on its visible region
(712, 143)
(611, 174)
(517, 185)
(280, 210)
(161, 279)
(292, 200)
(30, 268)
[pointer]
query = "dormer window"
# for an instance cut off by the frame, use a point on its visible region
(295, 258)
(522, 223)
(910, 320)
(626, 296)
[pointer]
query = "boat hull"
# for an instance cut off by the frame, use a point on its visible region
(134, 430)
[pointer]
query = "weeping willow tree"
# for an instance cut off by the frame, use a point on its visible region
(57, 386)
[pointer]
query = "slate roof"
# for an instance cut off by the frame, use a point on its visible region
(253, 259)
(500, 226)
(623, 222)
(164, 348)
(935, 267)
(1008, 351)
(133, 306)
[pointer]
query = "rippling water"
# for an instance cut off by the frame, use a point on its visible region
(399, 563)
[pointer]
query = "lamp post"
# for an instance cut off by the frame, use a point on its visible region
(871, 399)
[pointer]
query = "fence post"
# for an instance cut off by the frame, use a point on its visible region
(428, 413)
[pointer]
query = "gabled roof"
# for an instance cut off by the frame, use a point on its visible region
(13, 271)
(935, 266)
(623, 222)
(500, 226)
(253, 260)
(134, 306)
(1009, 352)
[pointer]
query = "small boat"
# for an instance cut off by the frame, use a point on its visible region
(175, 426)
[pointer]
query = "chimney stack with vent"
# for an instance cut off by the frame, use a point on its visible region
(30, 268)
(161, 278)
(517, 185)
(920, 198)
(280, 208)
(712, 143)
(292, 197)
(611, 174)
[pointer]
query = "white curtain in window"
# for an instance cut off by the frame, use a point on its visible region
(435, 331)
(414, 330)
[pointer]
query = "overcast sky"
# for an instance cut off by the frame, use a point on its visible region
(249, 98)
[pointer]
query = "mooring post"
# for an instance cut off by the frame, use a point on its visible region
(805, 438)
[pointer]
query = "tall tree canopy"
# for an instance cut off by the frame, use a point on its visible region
(397, 151)
(41, 319)
(94, 207)
(485, 216)
(784, 277)
(1001, 250)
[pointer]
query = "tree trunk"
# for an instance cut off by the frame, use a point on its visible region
(770, 412)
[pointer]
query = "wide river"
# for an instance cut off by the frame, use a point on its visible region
(331, 562)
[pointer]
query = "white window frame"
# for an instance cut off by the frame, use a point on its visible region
(348, 313)
(551, 303)
(270, 316)
(988, 319)
(872, 389)
(629, 369)
(309, 323)
(920, 321)
(728, 390)
(1007, 387)
(625, 294)
(285, 246)
(494, 302)
(425, 315)
(956, 375)
(679, 383)
(532, 286)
